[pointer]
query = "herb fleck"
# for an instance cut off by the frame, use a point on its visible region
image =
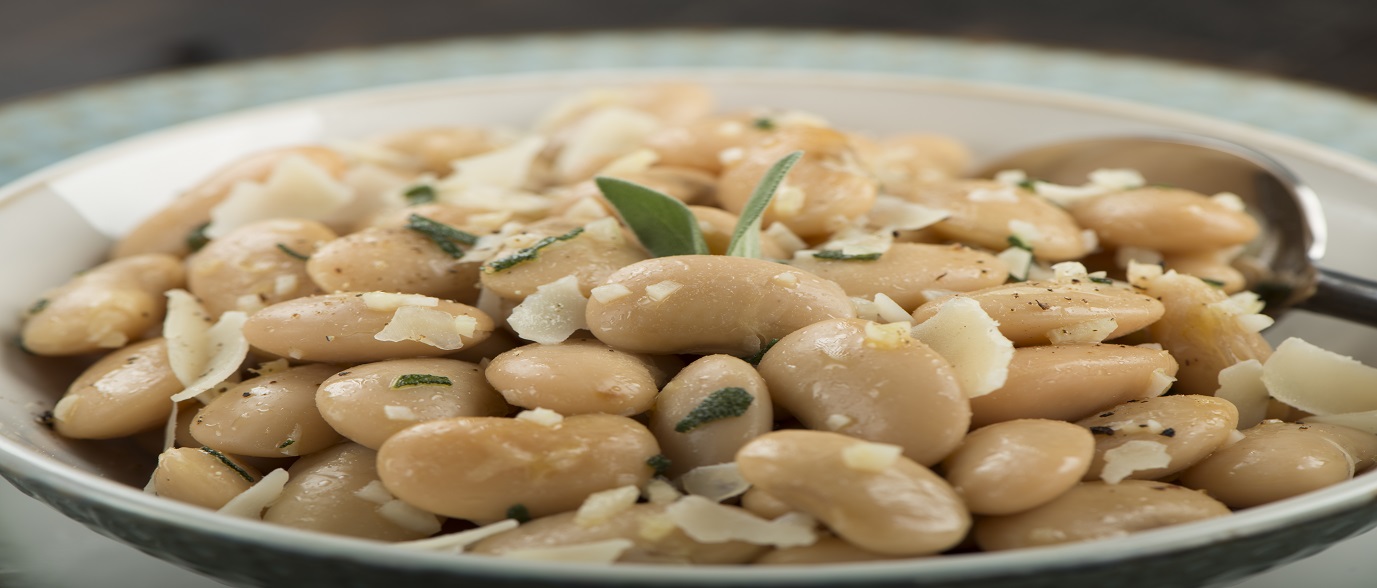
(409, 380)
(1102, 430)
(293, 253)
(755, 359)
(1168, 432)
(725, 403)
(764, 123)
(1215, 283)
(46, 419)
(445, 237)
(419, 194)
(659, 463)
(1016, 241)
(1029, 185)
(1101, 280)
(197, 238)
(519, 512)
(528, 253)
(286, 444)
(38, 306)
(225, 460)
(838, 255)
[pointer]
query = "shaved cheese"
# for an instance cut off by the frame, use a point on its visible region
(602, 136)
(284, 284)
(553, 313)
(1362, 421)
(656, 526)
(1141, 274)
(600, 507)
(151, 487)
(250, 503)
(501, 169)
(889, 336)
(272, 367)
(785, 279)
(854, 241)
(896, 214)
(297, 188)
(788, 201)
(706, 521)
(389, 301)
(1241, 384)
(457, 542)
(1159, 382)
(609, 292)
(368, 152)
(658, 491)
(1117, 179)
(435, 328)
(187, 331)
(1234, 437)
(715, 482)
(866, 309)
(785, 238)
(632, 163)
(871, 457)
(169, 429)
(1318, 381)
(1011, 177)
(228, 348)
(661, 290)
(410, 518)
(1126, 256)
(249, 303)
(374, 492)
(837, 422)
(1091, 331)
(1133, 456)
(730, 155)
(970, 340)
(1102, 181)
(1230, 201)
(606, 229)
(541, 416)
(1069, 271)
(988, 195)
(400, 413)
(1254, 323)
(597, 552)
(1025, 231)
(889, 310)
(1019, 260)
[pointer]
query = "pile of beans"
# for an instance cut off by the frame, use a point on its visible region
(830, 414)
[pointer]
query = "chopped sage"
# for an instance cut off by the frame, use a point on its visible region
(1029, 185)
(755, 359)
(47, 419)
(1215, 283)
(528, 253)
(38, 306)
(746, 238)
(659, 463)
(725, 403)
(419, 194)
(838, 255)
(226, 460)
(409, 380)
(764, 123)
(1016, 241)
(663, 225)
(519, 513)
(197, 238)
(1099, 280)
(290, 252)
(445, 237)
(286, 444)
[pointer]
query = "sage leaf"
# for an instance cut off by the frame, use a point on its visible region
(746, 237)
(664, 225)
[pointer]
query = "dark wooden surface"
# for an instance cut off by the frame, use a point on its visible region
(48, 45)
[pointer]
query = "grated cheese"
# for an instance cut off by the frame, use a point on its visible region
(1133, 456)
(609, 292)
(786, 239)
(1011, 177)
(553, 313)
(1069, 271)
(889, 311)
(970, 340)
(871, 457)
(374, 492)
(1019, 260)
(888, 336)
(837, 422)
(541, 416)
(597, 552)
(457, 542)
(1362, 421)
(296, 188)
(1091, 331)
(658, 491)
(902, 215)
(706, 521)
(788, 201)
(1159, 382)
(409, 517)
(187, 331)
(1318, 381)
(1127, 256)
(730, 155)
(250, 503)
(228, 348)
(715, 482)
(655, 527)
(632, 163)
(390, 301)
(603, 135)
(606, 229)
(435, 328)
(989, 195)
(600, 507)
(399, 413)
(499, 170)
(662, 290)
(785, 279)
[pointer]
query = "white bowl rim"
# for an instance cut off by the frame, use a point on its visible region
(62, 478)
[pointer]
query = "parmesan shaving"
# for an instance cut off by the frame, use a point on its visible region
(989, 195)
(1091, 331)
(228, 348)
(1133, 456)
(1019, 260)
(249, 303)
(272, 367)
(970, 340)
(1234, 437)
(609, 292)
(706, 521)
(250, 503)
(1126, 256)
(600, 507)
(658, 491)
(730, 155)
(500, 170)
(1241, 384)
(871, 457)
(1318, 381)
(374, 492)
(169, 429)
(866, 309)
(785, 279)
(1069, 271)
(541, 416)
(889, 336)
(553, 313)
(587, 208)
(457, 542)
(788, 201)
(785, 238)
(400, 413)
(284, 284)
(1026, 232)
(409, 517)
(889, 311)
(600, 137)
(654, 527)
(901, 215)
(1362, 421)
(597, 552)
(297, 188)
(606, 229)
(389, 301)
(632, 163)
(837, 422)
(1141, 274)
(715, 482)
(187, 331)
(1090, 240)
(432, 327)
(1011, 177)
(661, 290)
(1159, 382)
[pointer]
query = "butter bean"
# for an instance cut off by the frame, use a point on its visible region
(832, 375)
(501, 462)
(1164, 219)
(199, 477)
(250, 267)
(124, 393)
(827, 550)
(1096, 510)
(365, 404)
(435, 148)
(1026, 311)
(901, 509)
(393, 260)
(716, 441)
(653, 537)
(1187, 427)
(589, 256)
(337, 491)
(104, 308)
(576, 377)
(167, 230)
(714, 304)
(1208, 265)
(1277, 460)
(763, 504)
(1015, 466)
(984, 213)
(341, 328)
(269, 416)
(701, 143)
(908, 269)
(825, 190)
(1071, 382)
(905, 162)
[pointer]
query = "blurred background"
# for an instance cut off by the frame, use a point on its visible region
(59, 44)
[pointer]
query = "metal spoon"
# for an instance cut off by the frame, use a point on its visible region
(1280, 264)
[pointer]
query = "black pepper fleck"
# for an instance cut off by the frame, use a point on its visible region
(1168, 432)
(1102, 430)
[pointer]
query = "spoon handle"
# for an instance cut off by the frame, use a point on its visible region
(1343, 296)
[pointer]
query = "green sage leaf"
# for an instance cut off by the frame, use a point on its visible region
(664, 225)
(746, 237)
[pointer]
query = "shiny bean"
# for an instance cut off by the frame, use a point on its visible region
(716, 441)
(104, 308)
(503, 462)
(1186, 427)
(256, 265)
(590, 256)
(202, 477)
(273, 415)
(1071, 382)
(337, 491)
(1164, 219)
(1277, 460)
(907, 270)
(1208, 265)
(702, 143)
(1027, 311)
(393, 260)
(763, 504)
(986, 214)
(124, 393)
(576, 377)
(1014, 466)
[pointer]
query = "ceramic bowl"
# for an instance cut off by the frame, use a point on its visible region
(60, 220)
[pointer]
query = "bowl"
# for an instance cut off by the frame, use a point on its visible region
(60, 220)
